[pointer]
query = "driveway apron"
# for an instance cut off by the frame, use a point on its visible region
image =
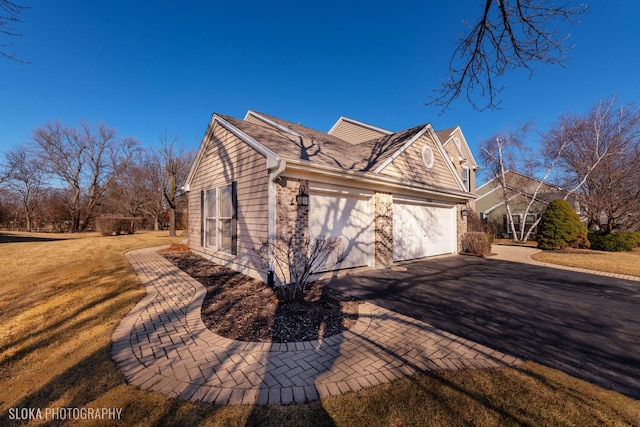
(584, 324)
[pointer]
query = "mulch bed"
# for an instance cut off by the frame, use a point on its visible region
(245, 309)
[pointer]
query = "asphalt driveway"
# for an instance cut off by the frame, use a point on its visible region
(582, 324)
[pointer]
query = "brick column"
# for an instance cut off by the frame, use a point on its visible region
(383, 229)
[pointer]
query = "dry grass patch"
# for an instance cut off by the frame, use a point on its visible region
(609, 262)
(60, 301)
(530, 395)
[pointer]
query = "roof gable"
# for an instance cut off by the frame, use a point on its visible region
(454, 142)
(356, 132)
(408, 161)
(220, 120)
(518, 183)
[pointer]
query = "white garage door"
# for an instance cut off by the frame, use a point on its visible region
(349, 218)
(421, 231)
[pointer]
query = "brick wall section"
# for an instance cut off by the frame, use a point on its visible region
(383, 229)
(461, 222)
(291, 219)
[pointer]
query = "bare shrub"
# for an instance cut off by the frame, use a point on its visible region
(476, 224)
(294, 262)
(108, 225)
(476, 243)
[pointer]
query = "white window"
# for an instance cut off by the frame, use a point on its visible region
(427, 157)
(466, 178)
(220, 211)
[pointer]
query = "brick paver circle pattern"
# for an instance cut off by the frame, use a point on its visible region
(162, 345)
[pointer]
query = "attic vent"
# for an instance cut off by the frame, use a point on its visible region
(427, 157)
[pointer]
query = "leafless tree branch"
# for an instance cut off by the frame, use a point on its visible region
(513, 34)
(9, 16)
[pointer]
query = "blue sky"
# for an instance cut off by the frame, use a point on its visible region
(150, 67)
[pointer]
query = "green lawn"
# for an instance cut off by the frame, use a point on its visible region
(63, 295)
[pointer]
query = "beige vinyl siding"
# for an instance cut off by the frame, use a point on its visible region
(464, 147)
(409, 166)
(226, 159)
(354, 133)
(253, 119)
(459, 155)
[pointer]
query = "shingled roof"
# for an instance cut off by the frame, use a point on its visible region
(308, 144)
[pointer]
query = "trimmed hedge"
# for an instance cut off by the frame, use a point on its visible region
(615, 242)
(108, 225)
(560, 227)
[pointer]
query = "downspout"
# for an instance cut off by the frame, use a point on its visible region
(274, 174)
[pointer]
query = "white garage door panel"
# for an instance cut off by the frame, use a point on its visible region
(421, 231)
(349, 218)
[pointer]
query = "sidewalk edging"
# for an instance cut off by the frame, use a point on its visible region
(162, 345)
(525, 255)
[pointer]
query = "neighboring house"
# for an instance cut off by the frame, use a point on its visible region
(390, 196)
(520, 190)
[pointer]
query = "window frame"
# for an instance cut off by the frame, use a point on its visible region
(219, 230)
(466, 177)
(428, 157)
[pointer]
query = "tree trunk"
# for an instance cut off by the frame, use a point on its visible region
(172, 222)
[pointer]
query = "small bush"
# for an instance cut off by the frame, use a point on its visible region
(476, 243)
(108, 225)
(476, 224)
(293, 262)
(560, 227)
(614, 242)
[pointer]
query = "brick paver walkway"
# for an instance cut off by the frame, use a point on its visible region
(163, 345)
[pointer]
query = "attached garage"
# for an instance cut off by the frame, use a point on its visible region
(422, 230)
(349, 217)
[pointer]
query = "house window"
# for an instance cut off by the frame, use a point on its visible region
(466, 178)
(529, 221)
(220, 208)
(427, 157)
(516, 223)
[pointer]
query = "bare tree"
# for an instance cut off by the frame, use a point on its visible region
(174, 162)
(600, 162)
(88, 161)
(139, 191)
(54, 209)
(26, 180)
(9, 16)
(5, 171)
(509, 35)
(499, 155)
(503, 156)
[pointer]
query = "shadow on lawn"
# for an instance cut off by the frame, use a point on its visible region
(14, 238)
(95, 382)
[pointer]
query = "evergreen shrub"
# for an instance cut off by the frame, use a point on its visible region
(615, 242)
(560, 227)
